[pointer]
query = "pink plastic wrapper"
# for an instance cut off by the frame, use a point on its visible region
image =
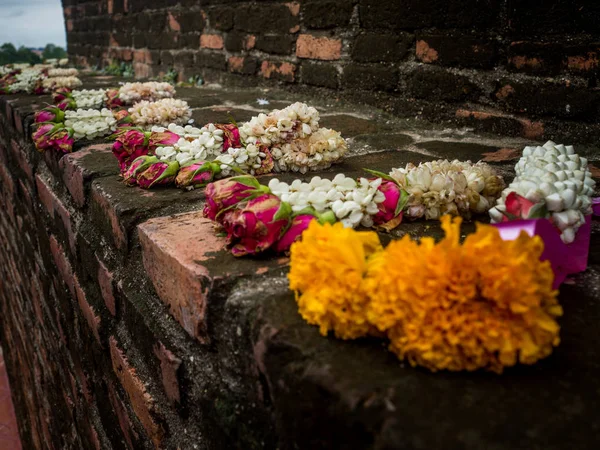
(566, 259)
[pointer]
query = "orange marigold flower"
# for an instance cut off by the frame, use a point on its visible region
(487, 303)
(327, 270)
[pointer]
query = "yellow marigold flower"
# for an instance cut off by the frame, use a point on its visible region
(327, 270)
(487, 303)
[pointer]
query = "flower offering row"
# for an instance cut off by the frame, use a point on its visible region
(38, 79)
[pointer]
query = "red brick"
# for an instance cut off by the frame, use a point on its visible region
(175, 267)
(87, 310)
(18, 120)
(63, 265)
(55, 206)
(8, 185)
(119, 235)
(169, 364)
(173, 23)
(236, 63)
(313, 47)
(529, 129)
(213, 41)
(19, 155)
(141, 70)
(142, 56)
(141, 402)
(250, 42)
(284, 71)
(584, 63)
(74, 173)
(122, 416)
(105, 280)
(110, 6)
(425, 53)
(294, 8)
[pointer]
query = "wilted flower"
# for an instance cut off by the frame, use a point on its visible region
(129, 146)
(148, 171)
(62, 140)
(258, 225)
(41, 137)
(112, 99)
(231, 136)
(197, 174)
(225, 193)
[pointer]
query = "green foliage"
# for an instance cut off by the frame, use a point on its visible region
(51, 51)
(119, 69)
(171, 76)
(11, 55)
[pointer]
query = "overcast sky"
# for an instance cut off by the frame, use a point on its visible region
(32, 23)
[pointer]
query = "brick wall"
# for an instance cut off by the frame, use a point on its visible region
(110, 333)
(513, 67)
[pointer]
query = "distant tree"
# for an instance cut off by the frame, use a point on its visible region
(8, 53)
(54, 52)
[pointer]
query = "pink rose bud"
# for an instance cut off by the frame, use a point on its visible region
(49, 114)
(62, 140)
(297, 226)
(158, 173)
(42, 136)
(225, 193)
(61, 94)
(231, 136)
(519, 207)
(138, 166)
(130, 145)
(259, 225)
(164, 138)
(394, 203)
(112, 99)
(68, 103)
(197, 174)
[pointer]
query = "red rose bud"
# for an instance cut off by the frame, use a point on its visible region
(62, 140)
(164, 138)
(41, 137)
(130, 145)
(293, 233)
(49, 114)
(394, 203)
(225, 193)
(231, 136)
(158, 174)
(196, 174)
(138, 166)
(259, 224)
(112, 99)
(61, 94)
(519, 207)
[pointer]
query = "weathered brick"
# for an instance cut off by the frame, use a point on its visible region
(242, 64)
(526, 17)
(320, 74)
(370, 77)
(213, 41)
(327, 13)
(265, 18)
(456, 50)
(18, 154)
(63, 265)
(169, 365)
(107, 289)
(103, 205)
(221, 18)
(211, 60)
(548, 99)
(535, 58)
(88, 312)
(278, 71)
(434, 83)
(275, 44)
(498, 123)
(313, 47)
(176, 269)
(376, 47)
(141, 402)
(55, 207)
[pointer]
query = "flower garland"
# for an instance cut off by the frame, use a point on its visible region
(89, 98)
(90, 123)
(151, 91)
(52, 73)
(50, 84)
(551, 181)
(484, 304)
(162, 112)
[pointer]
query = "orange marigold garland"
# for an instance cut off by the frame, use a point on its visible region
(486, 303)
(328, 269)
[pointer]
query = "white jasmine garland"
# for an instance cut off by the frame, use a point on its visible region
(89, 98)
(52, 73)
(90, 123)
(199, 144)
(26, 80)
(248, 159)
(150, 91)
(53, 83)
(162, 112)
(444, 187)
(353, 203)
(553, 176)
(296, 121)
